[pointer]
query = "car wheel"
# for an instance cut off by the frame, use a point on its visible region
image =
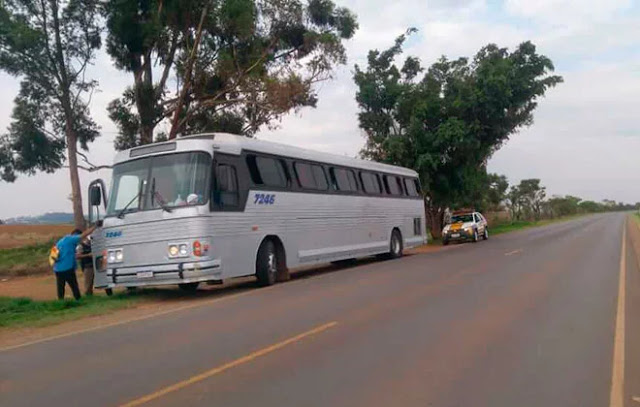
(475, 235)
(267, 264)
(485, 235)
(189, 287)
(445, 242)
(109, 292)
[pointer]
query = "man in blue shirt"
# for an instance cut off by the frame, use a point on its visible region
(65, 267)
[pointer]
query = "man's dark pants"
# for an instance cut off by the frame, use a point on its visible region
(70, 278)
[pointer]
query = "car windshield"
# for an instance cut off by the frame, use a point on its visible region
(462, 218)
(169, 181)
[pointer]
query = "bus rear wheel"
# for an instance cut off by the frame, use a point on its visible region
(267, 264)
(395, 246)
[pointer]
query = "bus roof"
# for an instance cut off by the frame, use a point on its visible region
(234, 144)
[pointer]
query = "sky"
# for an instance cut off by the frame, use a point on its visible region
(585, 139)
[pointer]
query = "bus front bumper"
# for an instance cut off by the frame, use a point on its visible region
(164, 274)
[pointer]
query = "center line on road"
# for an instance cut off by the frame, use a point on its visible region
(217, 370)
(616, 398)
(513, 252)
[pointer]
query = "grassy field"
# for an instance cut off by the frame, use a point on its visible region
(27, 260)
(20, 312)
(24, 248)
(13, 236)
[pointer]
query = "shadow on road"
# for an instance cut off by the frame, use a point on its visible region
(236, 285)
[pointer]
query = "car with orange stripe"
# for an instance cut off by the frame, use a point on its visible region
(465, 226)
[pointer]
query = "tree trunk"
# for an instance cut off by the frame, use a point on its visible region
(71, 138)
(435, 220)
(76, 193)
(144, 104)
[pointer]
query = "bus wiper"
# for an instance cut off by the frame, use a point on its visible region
(156, 195)
(123, 210)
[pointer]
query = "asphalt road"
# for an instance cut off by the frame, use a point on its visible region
(524, 319)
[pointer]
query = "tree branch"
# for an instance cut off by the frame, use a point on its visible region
(168, 63)
(92, 167)
(188, 73)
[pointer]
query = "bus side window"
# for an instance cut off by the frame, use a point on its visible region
(399, 185)
(340, 180)
(271, 171)
(413, 186)
(226, 187)
(391, 184)
(370, 183)
(332, 179)
(305, 176)
(353, 181)
(320, 177)
(379, 183)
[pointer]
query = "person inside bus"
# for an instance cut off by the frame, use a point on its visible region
(65, 266)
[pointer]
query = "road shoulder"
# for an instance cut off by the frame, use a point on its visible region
(632, 331)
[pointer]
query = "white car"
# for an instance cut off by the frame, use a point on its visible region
(465, 226)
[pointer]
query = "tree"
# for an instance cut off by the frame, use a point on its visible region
(515, 202)
(496, 191)
(564, 205)
(238, 64)
(48, 44)
(533, 195)
(590, 207)
(447, 122)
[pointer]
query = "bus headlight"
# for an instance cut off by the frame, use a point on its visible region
(176, 250)
(115, 256)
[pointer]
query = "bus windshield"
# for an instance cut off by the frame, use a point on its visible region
(168, 181)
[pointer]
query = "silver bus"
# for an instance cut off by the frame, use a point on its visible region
(210, 207)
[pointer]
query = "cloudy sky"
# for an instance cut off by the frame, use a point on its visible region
(585, 140)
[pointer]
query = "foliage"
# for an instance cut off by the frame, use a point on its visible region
(533, 195)
(238, 65)
(495, 191)
(48, 44)
(446, 122)
(564, 205)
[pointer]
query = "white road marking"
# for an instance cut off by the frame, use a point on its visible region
(513, 252)
(616, 398)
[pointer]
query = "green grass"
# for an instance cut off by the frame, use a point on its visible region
(25, 260)
(22, 312)
(525, 224)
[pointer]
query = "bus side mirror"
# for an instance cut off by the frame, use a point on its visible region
(95, 197)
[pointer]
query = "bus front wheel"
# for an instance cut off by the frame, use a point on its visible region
(267, 264)
(189, 287)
